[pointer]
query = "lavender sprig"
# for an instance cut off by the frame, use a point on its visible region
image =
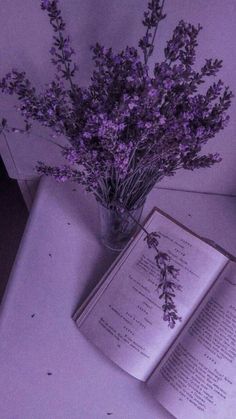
(151, 20)
(61, 50)
(167, 282)
(168, 275)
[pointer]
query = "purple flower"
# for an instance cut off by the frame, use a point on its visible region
(46, 4)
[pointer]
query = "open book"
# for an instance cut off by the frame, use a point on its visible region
(190, 369)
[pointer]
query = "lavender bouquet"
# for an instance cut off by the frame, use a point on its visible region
(128, 129)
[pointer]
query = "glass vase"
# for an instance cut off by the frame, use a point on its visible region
(118, 227)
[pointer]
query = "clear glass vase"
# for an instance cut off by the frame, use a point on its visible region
(117, 227)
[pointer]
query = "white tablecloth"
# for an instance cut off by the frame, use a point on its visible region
(47, 368)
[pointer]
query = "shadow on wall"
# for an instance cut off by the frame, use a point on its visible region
(13, 217)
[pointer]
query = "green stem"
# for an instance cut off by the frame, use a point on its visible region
(137, 222)
(155, 31)
(148, 54)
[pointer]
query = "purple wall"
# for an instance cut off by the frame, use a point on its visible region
(25, 38)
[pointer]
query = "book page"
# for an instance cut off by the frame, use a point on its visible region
(198, 379)
(125, 320)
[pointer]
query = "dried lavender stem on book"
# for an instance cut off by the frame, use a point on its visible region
(124, 317)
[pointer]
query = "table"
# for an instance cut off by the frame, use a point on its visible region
(48, 369)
